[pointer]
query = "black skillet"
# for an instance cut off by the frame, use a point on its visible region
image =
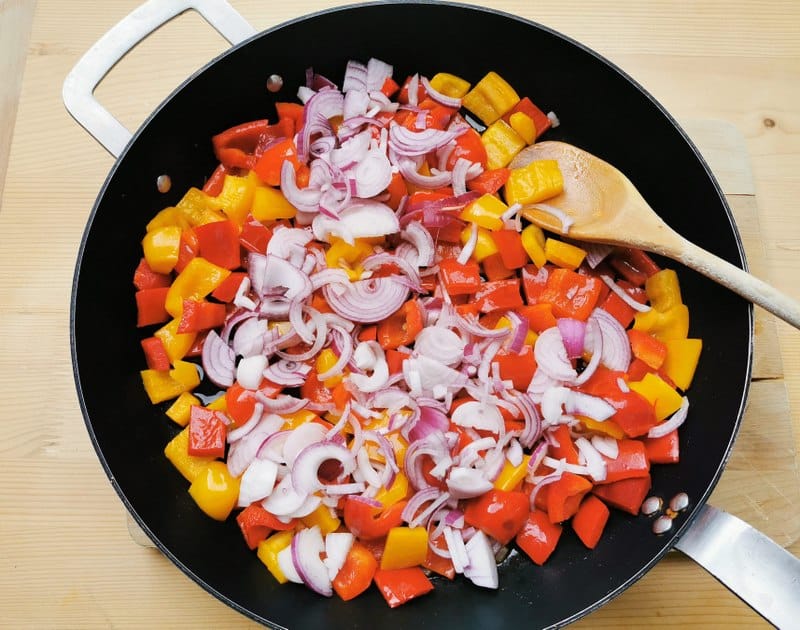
(602, 110)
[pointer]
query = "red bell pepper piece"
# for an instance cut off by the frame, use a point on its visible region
(155, 354)
(207, 433)
(460, 279)
(214, 184)
(571, 294)
(256, 524)
(647, 348)
(468, 146)
(356, 573)
(517, 367)
(236, 147)
(189, 248)
(438, 115)
(255, 236)
(436, 563)
(590, 520)
(495, 269)
(240, 402)
(150, 306)
(565, 495)
(526, 106)
(500, 294)
(631, 462)
(509, 242)
(401, 328)
(394, 359)
(269, 163)
(617, 307)
(663, 450)
(397, 190)
(368, 522)
(489, 182)
(534, 281)
(538, 537)
(402, 97)
(639, 260)
(219, 243)
(498, 513)
(540, 316)
(626, 494)
(226, 291)
(201, 315)
(399, 586)
(389, 87)
(291, 111)
(566, 448)
(145, 278)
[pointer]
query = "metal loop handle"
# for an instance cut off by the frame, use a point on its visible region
(82, 80)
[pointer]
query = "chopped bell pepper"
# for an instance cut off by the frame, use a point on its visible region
(540, 120)
(177, 452)
(647, 348)
(207, 433)
(663, 325)
(450, 85)
(199, 208)
(150, 306)
(180, 411)
(161, 247)
(631, 462)
(189, 248)
(459, 279)
(186, 374)
(523, 125)
(511, 476)
(571, 294)
(539, 536)
(511, 249)
(399, 586)
(215, 490)
(681, 361)
(168, 217)
(517, 367)
(663, 450)
(269, 164)
(326, 359)
(396, 493)
(226, 291)
(402, 327)
(564, 496)
(489, 182)
(491, 97)
(663, 290)
(500, 294)
(502, 144)
(486, 211)
(269, 204)
(405, 547)
(494, 269)
(322, 518)
(176, 344)
(219, 243)
(213, 185)
(563, 254)
(200, 315)
(537, 181)
(590, 520)
(533, 241)
(236, 197)
(145, 278)
(485, 246)
(626, 494)
(160, 386)
(498, 513)
(540, 316)
(356, 573)
(196, 281)
(563, 447)
(269, 549)
(664, 398)
(367, 522)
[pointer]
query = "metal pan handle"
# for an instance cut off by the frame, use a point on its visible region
(758, 570)
(82, 80)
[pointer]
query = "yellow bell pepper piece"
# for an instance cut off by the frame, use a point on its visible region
(220, 403)
(485, 211)
(269, 549)
(504, 322)
(485, 246)
(177, 451)
(160, 386)
(168, 217)
(322, 518)
(348, 256)
(681, 360)
(564, 254)
(405, 547)
(215, 490)
(502, 144)
(663, 397)
(326, 359)
(294, 420)
(176, 344)
(236, 196)
(450, 85)
(198, 278)
(537, 181)
(609, 427)
(161, 247)
(670, 324)
(186, 374)
(181, 410)
(491, 98)
(396, 493)
(533, 242)
(198, 208)
(663, 290)
(511, 476)
(523, 125)
(269, 204)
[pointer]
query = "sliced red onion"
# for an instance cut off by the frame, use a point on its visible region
(305, 472)
(289, 373)
(272, 276)
(257, 481)
(469, 246)
(301, 437)
(284, 499)
(554, 121)
(572, 332)
(252, 422)
(561, 465)
(355, 77)
(341, 489)
(272, 447)
(416, 502)
(471, 326)
(596, 252)
(245, 450)
(337, 546)
(282, 404)
(594, 461)
(413, 90)
(447, 101)
(421, 239)
(616, 354)
(305, 199)
(441, 344)
(355, 105)
(466, 483)
(307, 548)
(519, 331)
(675, 421)
(592, 342)
(565, 220)
(443, 155)
(287, 565)
(319, 108)
(514, 453)
(366, 301)
(318, 341)
(624, 295)
(478, 415)
(377, 73)
(219, 361)
(250, 371)
(289, 244)
(365, 472)
(606, 445)
(435, 446)
(482, 566)
(438, 180)
(352, 150)
(249, 338)
(460, 169)
(423, 374)
(532, 418)
(376, 261)
(428, 420)
(551, 355)
(457, 549)
(587, 405)
(412, 143)
(373, 174)
(304, 93)
(363, 218)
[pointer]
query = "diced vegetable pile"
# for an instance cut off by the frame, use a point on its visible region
(411, 377)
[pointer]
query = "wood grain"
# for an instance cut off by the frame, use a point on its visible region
(66, 557)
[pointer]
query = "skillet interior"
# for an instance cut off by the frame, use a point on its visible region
(601, 110)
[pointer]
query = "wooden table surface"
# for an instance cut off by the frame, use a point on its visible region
(66, 557)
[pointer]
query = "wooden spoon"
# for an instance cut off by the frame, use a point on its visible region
(605, 207)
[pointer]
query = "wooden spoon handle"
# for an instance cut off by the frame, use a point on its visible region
(739, 281)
